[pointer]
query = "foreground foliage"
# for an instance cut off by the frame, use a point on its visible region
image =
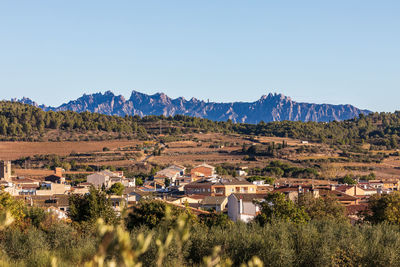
(309, 232)
(316, 243)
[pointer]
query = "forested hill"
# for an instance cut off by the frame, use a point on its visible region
(26, 122)
(271, 107)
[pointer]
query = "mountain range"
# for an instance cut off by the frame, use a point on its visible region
(271, 107)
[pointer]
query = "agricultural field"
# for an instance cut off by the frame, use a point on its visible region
(34, 159)
(16, 150)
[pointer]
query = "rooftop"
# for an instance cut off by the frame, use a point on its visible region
(249, 197)
(46, 201)
(210, 200)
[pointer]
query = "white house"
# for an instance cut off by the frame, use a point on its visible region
(172, 173)
(241, 207)
(98, 179)
(108, 178)
(241, 173)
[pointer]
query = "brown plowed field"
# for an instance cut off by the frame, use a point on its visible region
(16, 150)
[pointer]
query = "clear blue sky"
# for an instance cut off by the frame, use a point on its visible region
(335, 52)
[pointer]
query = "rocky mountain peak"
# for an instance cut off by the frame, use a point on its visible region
(270, 107)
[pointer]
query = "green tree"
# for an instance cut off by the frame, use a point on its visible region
(215, 219)
(66, 166)
(90, 207)
(276, 207)
(384, 208)
(153, 212)
(393, 142)
(167, 182)
(116, 189)
(35, 215)
(10, 204)
(322, 208)
(348, 180)
(139, 181)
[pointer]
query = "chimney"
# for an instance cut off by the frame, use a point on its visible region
(300, 189)
(240, 206)
(59, 172)
(333, 187)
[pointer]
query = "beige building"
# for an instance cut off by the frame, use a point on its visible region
(49, 189)
(351, 190)
(220, 188)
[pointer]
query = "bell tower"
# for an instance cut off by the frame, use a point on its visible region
(5, 170)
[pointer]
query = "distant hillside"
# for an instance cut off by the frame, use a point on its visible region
(271, 107)
(26, 122)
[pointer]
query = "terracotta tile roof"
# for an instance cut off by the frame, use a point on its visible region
(204, 165)
(343, 187)
(338, 194)
(287, 189)
(84, 184)
(210, 200)
(356, 209)
(205, 182)
(235, 182)
(23, 181)
(250, 197)
(195, 196)
(133, 190)
(193, 210)
(29, 186)
(46, 201)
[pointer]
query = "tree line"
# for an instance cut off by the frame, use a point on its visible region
(380, 130)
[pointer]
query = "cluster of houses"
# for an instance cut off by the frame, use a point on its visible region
(52, 192)
(200, 189)
(203, 189)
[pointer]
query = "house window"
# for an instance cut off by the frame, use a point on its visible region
(251, 189)
(209, 190)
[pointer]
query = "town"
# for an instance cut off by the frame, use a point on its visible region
(199, 133)
(199, 188)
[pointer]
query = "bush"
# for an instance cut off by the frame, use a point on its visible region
(20, 244)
